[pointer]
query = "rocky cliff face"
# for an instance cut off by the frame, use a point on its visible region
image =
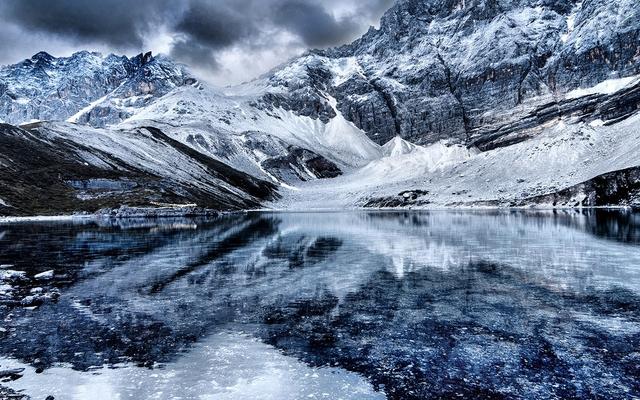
(444, 69)
(108, 88)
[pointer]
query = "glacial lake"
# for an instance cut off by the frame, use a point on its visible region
(335, 305)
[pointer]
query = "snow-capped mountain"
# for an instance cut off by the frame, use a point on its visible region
(449, 102)
(49, 168)
(443, 69)
(86, 87)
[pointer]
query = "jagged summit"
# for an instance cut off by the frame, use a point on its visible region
(143, 58)
(42, 56)
(85, 87)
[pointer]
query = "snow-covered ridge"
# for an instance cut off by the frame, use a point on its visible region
(71, 88)
(233, 130)
(85, 169)
(400, 109)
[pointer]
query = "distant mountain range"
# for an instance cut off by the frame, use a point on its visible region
(448, 103)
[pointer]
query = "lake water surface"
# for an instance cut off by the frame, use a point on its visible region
(351, 305)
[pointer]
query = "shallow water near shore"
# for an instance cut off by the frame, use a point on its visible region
(352, 305)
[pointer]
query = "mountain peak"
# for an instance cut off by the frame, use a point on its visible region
(397, 146)
(42, 56)
(143, 58)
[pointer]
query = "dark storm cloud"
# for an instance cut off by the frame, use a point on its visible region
(115, 22)
(314, 24)
(197, 31)
(217, 23)
(209, 26)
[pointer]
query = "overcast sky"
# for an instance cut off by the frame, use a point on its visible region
(224, 41)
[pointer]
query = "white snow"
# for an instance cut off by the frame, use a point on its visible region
(397, 146)
(571, 22)
(339, 139)
(139, 149)
(605, 87)
(5, 290)
(9, 274)
(226, 122)
(562, 156)
(43, 218)
(74, 118)
(344, 68)
(44, 275)
(223, 366)
(415, 161)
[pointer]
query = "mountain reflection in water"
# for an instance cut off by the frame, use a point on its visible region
(420, 304)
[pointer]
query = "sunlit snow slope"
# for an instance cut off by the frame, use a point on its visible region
(442, 175)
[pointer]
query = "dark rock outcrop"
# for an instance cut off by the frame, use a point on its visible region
(515, 128)
(303, 164)
(617, 188)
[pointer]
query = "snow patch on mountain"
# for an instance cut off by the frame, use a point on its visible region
(398, 146)
(609, 86)
(571, 22)
(417, 162)
(338, 139)
(136, 148)
(76, 117)
(344, 69)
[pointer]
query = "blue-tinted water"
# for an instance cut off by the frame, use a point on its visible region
(326, 305)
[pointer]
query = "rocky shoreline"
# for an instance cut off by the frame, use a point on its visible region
(617, 189)
(123, 212)
(9, 394)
